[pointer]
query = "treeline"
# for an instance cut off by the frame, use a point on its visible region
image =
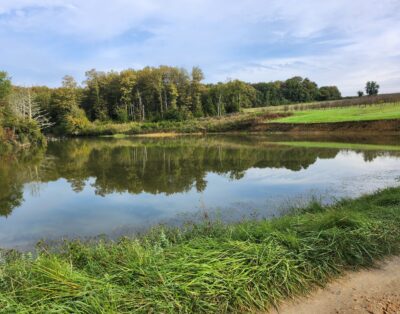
(153, 94)
(17, 127)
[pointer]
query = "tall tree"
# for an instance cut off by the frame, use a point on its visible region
(5, 85)
(196, 89)
(372, 88)
(127, 111)
(24, 106)
(329, 93)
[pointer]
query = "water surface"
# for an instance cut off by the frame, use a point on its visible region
(87, 187)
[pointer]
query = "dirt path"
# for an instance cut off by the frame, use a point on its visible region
(366, 291)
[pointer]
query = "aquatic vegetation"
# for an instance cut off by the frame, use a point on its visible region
(209, 267)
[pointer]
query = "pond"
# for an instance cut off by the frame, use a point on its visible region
(114, 187)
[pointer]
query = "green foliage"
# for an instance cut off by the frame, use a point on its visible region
(180, 121)
(293, 90)
(238, 95)
(122, 115)
(74, 123)
(64, 109)
(205, 268)
(23, 132)
(174, 114)
(329, 93)
(372, 88)
(297, 89)
(169, 93)
(5, 85)
(14, 129)
(360, 93)
(270, 94)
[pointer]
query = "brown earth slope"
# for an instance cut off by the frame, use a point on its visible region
(382, 126)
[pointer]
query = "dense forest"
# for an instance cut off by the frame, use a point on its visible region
(150, 94)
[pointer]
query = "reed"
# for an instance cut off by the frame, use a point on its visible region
(207, 267)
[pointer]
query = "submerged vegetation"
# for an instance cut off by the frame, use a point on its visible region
(207, 267)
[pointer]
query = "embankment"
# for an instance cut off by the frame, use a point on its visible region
(375, 126)
(205, 268)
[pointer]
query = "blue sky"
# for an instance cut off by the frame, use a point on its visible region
(336, 42)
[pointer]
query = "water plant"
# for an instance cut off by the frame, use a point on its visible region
(208, 267)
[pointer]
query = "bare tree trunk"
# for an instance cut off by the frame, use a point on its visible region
(165, 100)
(141, 107)
(29, 105)
(161, 102)
(219, 105)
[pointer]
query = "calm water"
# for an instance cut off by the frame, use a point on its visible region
(83, 188)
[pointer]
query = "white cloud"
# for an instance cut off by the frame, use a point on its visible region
(333, 42)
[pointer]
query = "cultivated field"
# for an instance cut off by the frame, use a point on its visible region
(356, 101)
(383, 111)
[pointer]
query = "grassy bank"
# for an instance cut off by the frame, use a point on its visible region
(247, 120)
(353, 113)
(201, 125)
(208, 267)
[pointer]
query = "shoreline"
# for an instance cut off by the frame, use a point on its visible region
(207, 267)
(249, 125)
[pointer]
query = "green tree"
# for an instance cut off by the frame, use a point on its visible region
(196, 90)
(372, 88)
(269, 94)
(238, 95)
(329, 93)
(127, 110)
(94, 103)
(5, 85)
(65, 111)
(297, 89)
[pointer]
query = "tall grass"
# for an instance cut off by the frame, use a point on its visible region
(205, 268)
(201, 125)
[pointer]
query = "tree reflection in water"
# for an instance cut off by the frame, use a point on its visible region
(168, 166)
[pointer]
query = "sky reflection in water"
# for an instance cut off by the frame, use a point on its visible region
(114, 187)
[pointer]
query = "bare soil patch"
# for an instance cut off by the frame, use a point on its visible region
(337, 127)
(374, 291)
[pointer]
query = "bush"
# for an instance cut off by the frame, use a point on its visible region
(122, 115)
(73, 123)
(23, 132)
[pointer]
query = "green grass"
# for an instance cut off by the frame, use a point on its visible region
(354, 146)
(208, 267)
(344, 102)
(353, 113)
(202, 125)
